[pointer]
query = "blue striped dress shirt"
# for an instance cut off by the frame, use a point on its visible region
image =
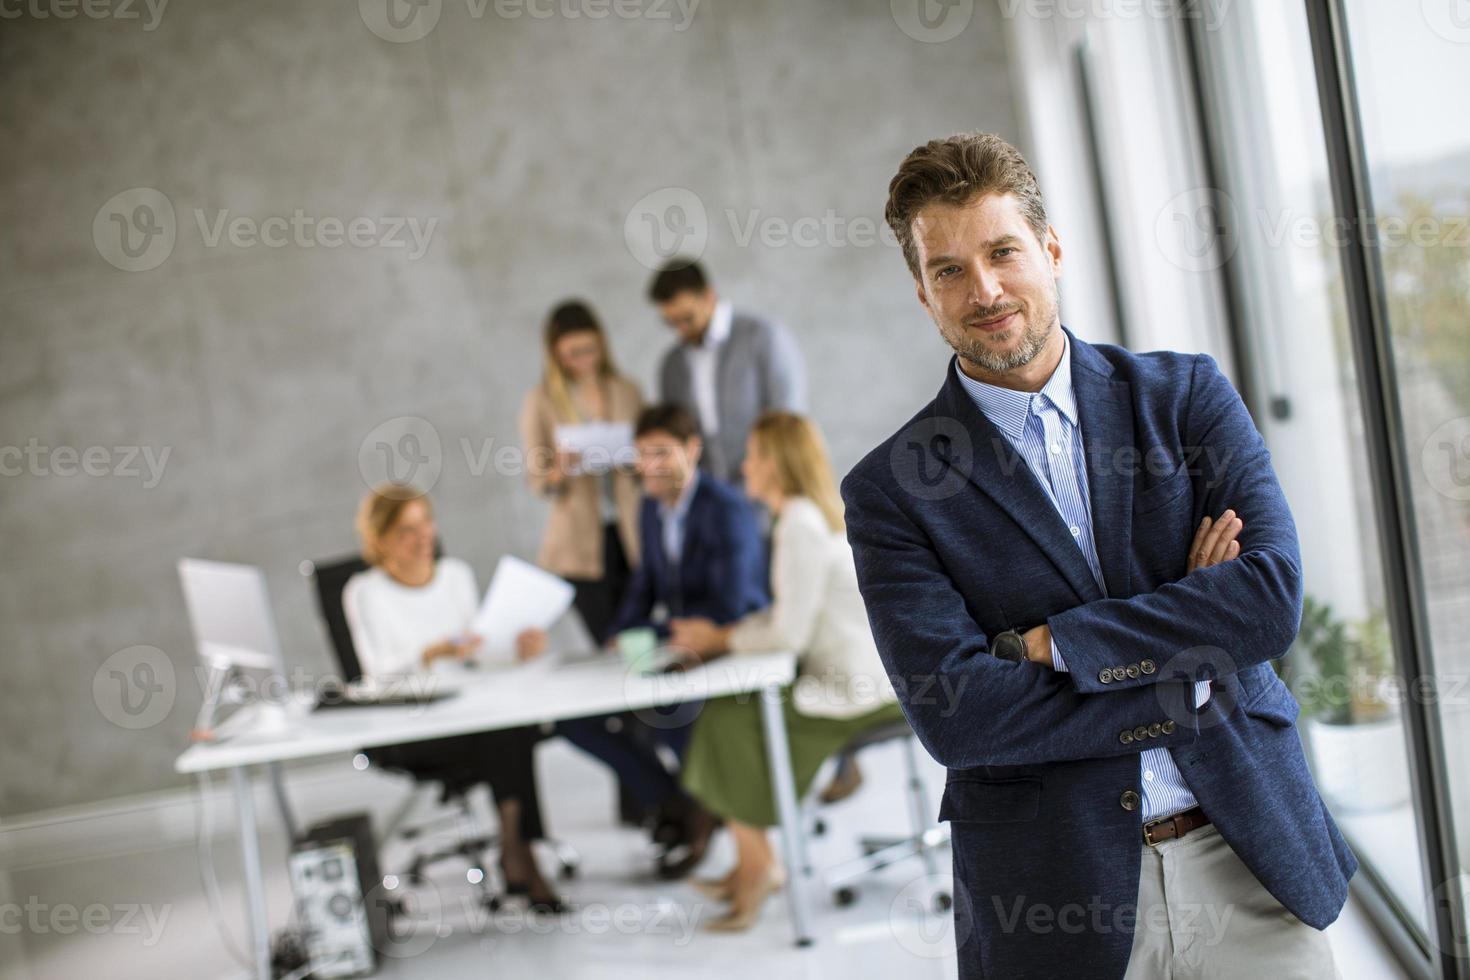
(673, 520)
(1043, 428)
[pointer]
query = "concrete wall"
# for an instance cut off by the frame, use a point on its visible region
(261, 371)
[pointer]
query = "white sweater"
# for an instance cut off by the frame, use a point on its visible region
(817, 611)
(392, 623)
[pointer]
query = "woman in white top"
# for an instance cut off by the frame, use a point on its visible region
(817, 611)
(407, 612)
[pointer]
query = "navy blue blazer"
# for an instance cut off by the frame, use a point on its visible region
(956, 541)
(721, 574)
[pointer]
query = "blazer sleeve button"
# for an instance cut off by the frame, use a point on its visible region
(1105, 675)
(1119, 674)
(1141, 732)
(1167, 727)
(1155, 729)
(1133, 671)
(1147, 666)
(1126, 737)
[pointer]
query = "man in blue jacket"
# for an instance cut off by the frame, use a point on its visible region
(700, 549)
(701, 555)
(1078, 565)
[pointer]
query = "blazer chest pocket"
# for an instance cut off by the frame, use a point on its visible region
(990, 801)
(1163, 493)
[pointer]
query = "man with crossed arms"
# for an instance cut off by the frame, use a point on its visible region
(1127, 791)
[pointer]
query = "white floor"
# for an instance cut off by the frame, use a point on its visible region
(121, 897)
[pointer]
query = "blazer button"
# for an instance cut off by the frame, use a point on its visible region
(1147, 666)
(1167, 727)
(1154, 729)
(1126, 737)
(1141, 732)
(1105, 675)
(1129, 800)
(1133, 671)
(1119, 673)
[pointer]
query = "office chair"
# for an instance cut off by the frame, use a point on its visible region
(924, 839)
(452, 787)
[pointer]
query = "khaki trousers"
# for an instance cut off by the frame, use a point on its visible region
(1202, 915)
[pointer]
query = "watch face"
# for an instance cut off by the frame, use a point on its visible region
(1009, 646)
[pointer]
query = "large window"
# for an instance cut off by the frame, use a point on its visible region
(1411, 71)
(1281, 244)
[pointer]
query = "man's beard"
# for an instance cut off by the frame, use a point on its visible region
(976, 351)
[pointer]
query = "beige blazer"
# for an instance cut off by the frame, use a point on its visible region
(572, 544)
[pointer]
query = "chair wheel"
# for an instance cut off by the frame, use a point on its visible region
(943, 902)
(844, 896)
(819, 828)
(568, 872)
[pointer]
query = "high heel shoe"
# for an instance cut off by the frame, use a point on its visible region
(522, 889)
(740, 920)
(541, 906)
(845, 783)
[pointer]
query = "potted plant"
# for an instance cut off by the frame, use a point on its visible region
(1353, 732)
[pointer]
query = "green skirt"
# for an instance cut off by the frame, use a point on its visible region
(725, 764)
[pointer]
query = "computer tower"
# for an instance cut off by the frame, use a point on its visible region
(334, 871)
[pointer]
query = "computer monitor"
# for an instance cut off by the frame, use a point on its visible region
(234, 635)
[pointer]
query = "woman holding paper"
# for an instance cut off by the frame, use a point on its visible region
(576, 430)
(816, 610)
(411, 610)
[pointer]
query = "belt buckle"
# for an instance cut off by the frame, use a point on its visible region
(1148, 828)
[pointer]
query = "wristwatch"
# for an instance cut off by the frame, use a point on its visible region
(1009, 645)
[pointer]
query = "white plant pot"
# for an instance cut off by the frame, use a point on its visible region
(1360, 768)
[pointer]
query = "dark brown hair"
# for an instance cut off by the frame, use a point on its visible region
(956, 170)
(677, 276)
(672, 420)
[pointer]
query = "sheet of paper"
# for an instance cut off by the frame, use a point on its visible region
(603, 445)
(521, 596)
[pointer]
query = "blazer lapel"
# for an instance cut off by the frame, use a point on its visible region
(1000, 471)
(1105, 415)
(653, 543)
(690, 540)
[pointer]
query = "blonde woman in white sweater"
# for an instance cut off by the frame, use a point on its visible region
(817, 611)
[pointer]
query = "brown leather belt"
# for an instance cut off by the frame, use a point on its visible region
(1172, 828)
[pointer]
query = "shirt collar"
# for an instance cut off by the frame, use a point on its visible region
(719, 325)
(681, 506)
(1008, 409)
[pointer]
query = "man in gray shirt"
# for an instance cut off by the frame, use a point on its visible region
(728, 366)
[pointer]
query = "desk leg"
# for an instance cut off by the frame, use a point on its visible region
(793, 842)
(255, 907)
(283, 802)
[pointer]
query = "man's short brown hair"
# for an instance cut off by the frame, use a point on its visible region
(670, 419)
(675, 277)
(956, 170)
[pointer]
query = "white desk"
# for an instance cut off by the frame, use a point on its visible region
(496, 699)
